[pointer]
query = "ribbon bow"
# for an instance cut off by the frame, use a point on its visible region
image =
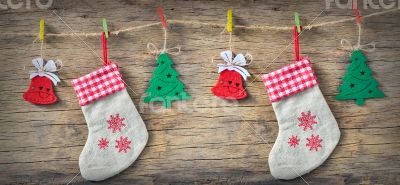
(46, 70)
(234, 64)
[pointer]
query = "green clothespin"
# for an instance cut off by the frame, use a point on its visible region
(297, 20)
(105, 27)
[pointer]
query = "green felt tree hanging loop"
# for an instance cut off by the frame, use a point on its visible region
(165, 85)
(358, 82)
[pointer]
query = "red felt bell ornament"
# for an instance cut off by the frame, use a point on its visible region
(40, 90)
(230, 81)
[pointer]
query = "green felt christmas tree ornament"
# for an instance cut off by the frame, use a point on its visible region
(165, 85)
(358, 82)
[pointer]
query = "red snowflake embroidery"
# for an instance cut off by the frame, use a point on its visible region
(293, 141)
(314, 142)
(115, 123)
(306, 121)
(103, 143)
(123, 144)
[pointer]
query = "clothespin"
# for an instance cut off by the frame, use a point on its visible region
(41, 30)
(229, 23)
(105, 27)
(297, 21)
(356, 12)
(163, 22)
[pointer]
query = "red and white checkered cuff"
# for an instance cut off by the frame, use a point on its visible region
(97, 84)
(289, 80)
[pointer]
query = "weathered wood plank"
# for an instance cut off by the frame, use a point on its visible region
(206, 140)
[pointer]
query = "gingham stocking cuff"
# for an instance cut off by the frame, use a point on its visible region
(289, 80)
(98, 84)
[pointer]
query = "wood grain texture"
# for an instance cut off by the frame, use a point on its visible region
(206, 140)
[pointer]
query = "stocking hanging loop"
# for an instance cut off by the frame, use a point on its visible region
(105, 52)
(296, 42)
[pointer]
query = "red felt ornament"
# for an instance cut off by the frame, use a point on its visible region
(41, 88)
(40, 91)
(230, 81)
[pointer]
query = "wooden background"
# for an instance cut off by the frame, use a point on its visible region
(206, 140)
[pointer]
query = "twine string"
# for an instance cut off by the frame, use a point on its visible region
(41, 49)
(88, 47)
(346, 45)
(165, 40)
(251, 27)
(152, 48)
(230, 41)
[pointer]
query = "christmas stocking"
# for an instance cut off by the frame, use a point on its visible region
(117, 134)
(308, 132)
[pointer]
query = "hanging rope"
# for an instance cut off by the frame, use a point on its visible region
(252, 27)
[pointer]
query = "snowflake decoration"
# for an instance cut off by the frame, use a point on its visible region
(123, 144)
(314, 142)
(103, 143)
(115, 123)
(293, 141)
(306, 121)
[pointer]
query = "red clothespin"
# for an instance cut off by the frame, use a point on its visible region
(356, 12)
(163, 22)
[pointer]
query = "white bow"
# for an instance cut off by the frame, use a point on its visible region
(46, 70)
(234, 64)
